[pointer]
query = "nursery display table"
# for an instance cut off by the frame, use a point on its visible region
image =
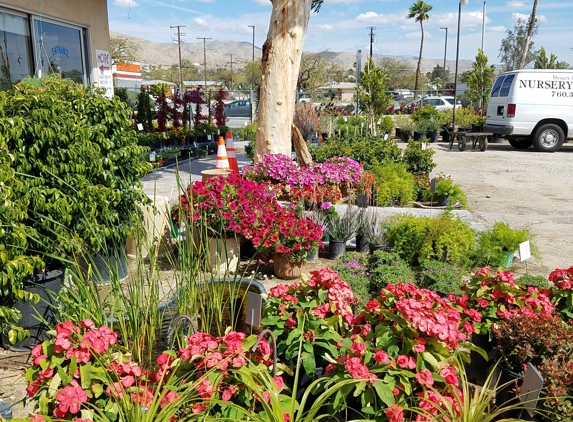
(475, 138)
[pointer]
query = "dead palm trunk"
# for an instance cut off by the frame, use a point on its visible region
(530, 27)
(280, 66)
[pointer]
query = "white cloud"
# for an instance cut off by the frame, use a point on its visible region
(412, 36)
(263, 2)
(515, 16)
(204, 1)
(515, 4)
(499, 28)
(373, 17)
(126, 3)
(200, 22)
(325, 28)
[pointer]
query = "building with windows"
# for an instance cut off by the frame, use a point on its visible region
(70, 37)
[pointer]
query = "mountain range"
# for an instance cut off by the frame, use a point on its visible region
(219, 53)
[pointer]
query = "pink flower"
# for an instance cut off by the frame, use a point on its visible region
(424, 377)
(291, 322)
(395, 413)
(448, 373)
(381, 356)
(70, 399)
(358, 348)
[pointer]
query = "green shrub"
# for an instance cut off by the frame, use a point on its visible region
(501, 238)
(398, 272)
(441, 277)
(353, 268)
(368, 150)
(417, 159)
(394, 185)
(420, 239)
(534, 281)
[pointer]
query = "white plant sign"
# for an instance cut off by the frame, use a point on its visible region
(524, 250)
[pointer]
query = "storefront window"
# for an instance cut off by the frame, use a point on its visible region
(15, 50)
(59, 49)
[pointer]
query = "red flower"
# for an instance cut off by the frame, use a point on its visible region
(424, 377)
(395, 413)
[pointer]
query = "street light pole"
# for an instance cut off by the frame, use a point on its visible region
(457, 61)
(253, 26)
(445, 55)
(483, 28)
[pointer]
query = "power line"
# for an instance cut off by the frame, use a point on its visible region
(231, 63)
(204, 57)
(179, 35)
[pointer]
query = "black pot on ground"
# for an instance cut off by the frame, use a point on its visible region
(312, 256)
(362, 201)
(443, 200)
(373, 248)
(405, 136)
(362, 244)
(247, 249)
(336, 248)
(418, 136)
(477, 368)
(506, 395)
(46, 285)
(433, 136)
(398, 133)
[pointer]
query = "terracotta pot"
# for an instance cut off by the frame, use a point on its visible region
(285, 268)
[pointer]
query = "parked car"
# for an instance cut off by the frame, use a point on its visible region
(444, 102)
(240, 108)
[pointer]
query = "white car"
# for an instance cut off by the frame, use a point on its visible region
(444, 102)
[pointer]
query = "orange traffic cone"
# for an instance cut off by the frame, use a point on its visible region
(231, 153)
(222, 161)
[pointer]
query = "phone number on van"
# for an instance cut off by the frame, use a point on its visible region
(562, 94)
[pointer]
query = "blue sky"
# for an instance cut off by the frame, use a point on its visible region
(341, 25)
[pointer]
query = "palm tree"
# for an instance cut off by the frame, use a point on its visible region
(419, 10)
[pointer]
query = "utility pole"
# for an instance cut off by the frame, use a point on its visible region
(179, 35)
(204, 58)
(231, 63)
(372, 33)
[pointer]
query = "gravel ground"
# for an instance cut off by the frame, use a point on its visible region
(526, 189)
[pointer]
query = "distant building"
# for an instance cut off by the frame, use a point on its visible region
(343, 91)
(55, 36)
(127, 75)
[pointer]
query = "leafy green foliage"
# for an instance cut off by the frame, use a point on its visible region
(14, 264)
(501, 237)
(418, 160)
(368, 150)
(480, 80)
(534, 280)
(372, 98)
(419, 239)
(441, 277)
(354, 269)
(395, 186)
(80, 161)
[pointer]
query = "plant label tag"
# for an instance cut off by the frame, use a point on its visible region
(140, 126)
(423, 146)
(209, 137)
(524, 250)
(254, 309)
(385, 136)
(195, 144)
(531, 387)
(433, 185)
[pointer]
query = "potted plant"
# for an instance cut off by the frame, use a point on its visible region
(498, 244)
(422, 128)
(434, 128)
(306, 119)
(447, 192)
(375, 233)
(405, 122)
(200, 153)
(365, 189)
(341, 229)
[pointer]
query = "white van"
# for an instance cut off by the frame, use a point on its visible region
(532, 107)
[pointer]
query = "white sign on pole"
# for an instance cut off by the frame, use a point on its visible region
(524, 250)
(105, 78)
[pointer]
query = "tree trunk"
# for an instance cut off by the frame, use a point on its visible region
(530, 27)
(419, 59)
(303, 157)
(280, 66)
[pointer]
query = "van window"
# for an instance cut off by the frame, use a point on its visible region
(497, 86)
(504, 91)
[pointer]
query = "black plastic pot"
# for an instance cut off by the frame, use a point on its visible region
(398, 132)
(434, 137)
(336, 248)
(418, 136)
(373, 248)
(46, 285)
(312, 256)
(506, 392)
(362, 244)
(362, 201)
(443, 200)
(405, 136)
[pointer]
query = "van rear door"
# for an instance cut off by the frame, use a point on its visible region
(497, 108)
